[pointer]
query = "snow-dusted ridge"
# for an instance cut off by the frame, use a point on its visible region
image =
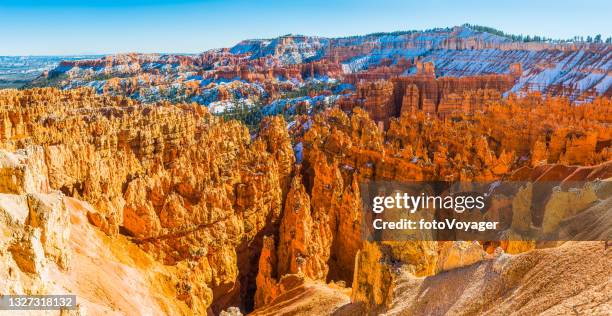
(239, 71)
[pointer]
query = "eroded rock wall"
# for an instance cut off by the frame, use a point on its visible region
(184, 185)
(241, 219)
(320, 235)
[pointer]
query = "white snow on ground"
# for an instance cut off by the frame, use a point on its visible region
(587, 69)
(288, 106)
(219, 107)
(604, 84)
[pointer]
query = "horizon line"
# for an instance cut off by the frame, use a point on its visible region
(469, 25)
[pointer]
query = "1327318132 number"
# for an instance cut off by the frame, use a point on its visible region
(37, 302)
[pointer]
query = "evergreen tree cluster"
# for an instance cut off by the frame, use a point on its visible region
(249, 114)
(536, 38)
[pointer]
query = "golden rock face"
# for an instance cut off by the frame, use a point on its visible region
(229, 219)
(181, 183)
(323, 212)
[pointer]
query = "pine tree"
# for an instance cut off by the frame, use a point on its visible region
(598, 38)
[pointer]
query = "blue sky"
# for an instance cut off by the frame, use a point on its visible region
(45, 27)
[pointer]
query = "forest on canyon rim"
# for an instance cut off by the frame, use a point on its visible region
(166, 206)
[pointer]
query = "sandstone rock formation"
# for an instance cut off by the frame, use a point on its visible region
(529, 283)
(340, 151)
(441, 62)
(185, 186)
(196, 214)
(49, 248)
